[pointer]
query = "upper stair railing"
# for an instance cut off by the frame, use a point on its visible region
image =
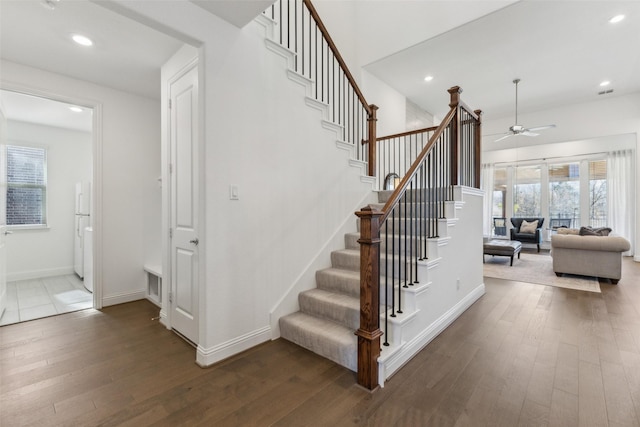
(317, 58)
(393, 241)
(396, 153)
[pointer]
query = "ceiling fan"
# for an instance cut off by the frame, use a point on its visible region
(519, 129)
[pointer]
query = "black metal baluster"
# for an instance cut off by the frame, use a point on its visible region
(280, 10)
(310, 49)
(402, 216)
(288, 24)
(302, 55)
(410, 235)
(317, 83)
(419, 224)
(386, 283)
(393, 263)
(333, 89)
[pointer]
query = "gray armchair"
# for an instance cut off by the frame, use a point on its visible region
(535, 237)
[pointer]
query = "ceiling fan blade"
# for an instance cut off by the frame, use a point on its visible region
(527, 133)
(540, 128)
(504, 137)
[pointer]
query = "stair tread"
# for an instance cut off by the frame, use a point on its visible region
(335, 306)
(324, 337)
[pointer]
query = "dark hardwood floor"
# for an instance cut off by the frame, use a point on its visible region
(522, 355)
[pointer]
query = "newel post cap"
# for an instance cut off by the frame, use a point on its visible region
(455, 96)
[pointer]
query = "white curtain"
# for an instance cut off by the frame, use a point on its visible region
(486, 183)
(620, 195)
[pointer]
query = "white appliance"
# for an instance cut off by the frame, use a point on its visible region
(83, 220)
(88, 259)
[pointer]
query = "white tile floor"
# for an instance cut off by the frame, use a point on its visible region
(33, 299)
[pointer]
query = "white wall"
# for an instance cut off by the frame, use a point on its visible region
(392, 105)
(49, 252)
(129, 165)
(295, 187)
(583, 128)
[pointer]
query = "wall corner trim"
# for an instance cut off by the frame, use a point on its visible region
(122, 298)
(208, 356)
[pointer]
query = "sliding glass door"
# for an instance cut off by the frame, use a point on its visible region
(564, 194)
(568, 194)
(527, 191)
(598, 193)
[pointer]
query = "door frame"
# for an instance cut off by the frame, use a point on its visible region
(177, 67)
(96, 153)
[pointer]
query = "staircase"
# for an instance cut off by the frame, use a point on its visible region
(424, 232)
(329, 314)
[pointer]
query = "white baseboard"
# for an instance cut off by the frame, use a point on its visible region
(3, 301)
(410, 349)
(38, 274)
(163, 319)
(123, 297)
(208, 356)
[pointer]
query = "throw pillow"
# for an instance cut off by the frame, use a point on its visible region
(528, 227)
(603, 231)
(563, 230)
(588, 231)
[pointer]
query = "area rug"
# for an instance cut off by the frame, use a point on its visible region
(536, 268)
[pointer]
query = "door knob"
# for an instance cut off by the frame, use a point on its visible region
(8, 232)
(195, 241)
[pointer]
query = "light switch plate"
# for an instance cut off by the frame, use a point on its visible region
(233, 192)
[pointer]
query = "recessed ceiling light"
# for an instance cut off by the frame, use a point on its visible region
(605, 83)
(616, 19)
(76, 109)
(428, 78)
(82, 40)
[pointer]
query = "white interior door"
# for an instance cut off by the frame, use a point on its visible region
(3, 212)
(183, 296)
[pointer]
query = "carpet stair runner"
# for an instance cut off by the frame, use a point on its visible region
(330, 314)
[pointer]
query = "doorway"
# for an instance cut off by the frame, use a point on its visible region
(48, 145)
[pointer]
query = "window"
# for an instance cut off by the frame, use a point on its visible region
(564, 192)
(526, 192)
(499, 192)
(26, 186)
(598, 193)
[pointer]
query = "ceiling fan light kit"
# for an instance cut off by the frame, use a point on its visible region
(517, 129)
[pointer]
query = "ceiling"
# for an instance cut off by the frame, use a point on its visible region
(126, 55)
(561, 51)
(43, 111)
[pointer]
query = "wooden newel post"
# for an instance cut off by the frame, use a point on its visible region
(371, 128)
(455, 133)
(369, 332)
(477, 149)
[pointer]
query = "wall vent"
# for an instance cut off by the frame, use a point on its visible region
(604, 92)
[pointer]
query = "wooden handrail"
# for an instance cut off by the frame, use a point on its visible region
(399, 191)
(337, 55)
(452, 142)
(408, 133)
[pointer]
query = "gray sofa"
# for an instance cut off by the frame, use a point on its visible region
(598, 256)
